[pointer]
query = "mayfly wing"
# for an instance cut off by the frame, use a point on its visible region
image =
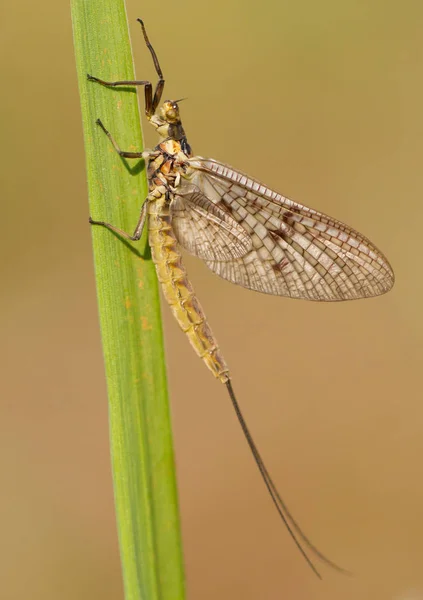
(295, 251)
(207, 230)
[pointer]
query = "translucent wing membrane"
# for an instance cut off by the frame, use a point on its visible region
(207, 230)
(254, 237)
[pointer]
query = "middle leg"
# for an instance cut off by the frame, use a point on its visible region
(123, 153)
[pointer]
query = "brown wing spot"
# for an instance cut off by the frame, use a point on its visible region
(257, 203)
(289, 217)
(222, 204)
(281, 266)
(284, 234)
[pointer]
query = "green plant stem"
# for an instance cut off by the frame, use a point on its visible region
(141, 439)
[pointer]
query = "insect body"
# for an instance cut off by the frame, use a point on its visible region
(172, 276)
(247, 234)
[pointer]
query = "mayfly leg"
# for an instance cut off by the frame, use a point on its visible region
(123, 153)
(160, 84)
(138, 229)
(151, 102)
(141, 221)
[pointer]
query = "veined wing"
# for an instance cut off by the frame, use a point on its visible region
(295, 251)
(205, 229)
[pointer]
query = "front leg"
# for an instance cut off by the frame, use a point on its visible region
(151, 102)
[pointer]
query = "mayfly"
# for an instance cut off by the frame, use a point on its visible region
(247, 234)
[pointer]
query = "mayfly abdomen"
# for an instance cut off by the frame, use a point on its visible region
(178, 290)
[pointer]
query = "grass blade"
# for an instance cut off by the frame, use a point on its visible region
(141, 439)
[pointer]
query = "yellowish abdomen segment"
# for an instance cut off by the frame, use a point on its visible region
(178, 291)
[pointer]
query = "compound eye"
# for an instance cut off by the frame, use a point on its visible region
(170, 112)
(173, 112)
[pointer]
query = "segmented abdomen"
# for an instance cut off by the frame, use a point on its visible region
(177, 289)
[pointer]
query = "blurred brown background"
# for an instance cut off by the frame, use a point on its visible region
(322, 100)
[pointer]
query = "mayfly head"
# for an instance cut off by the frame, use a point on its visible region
(169, 112)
